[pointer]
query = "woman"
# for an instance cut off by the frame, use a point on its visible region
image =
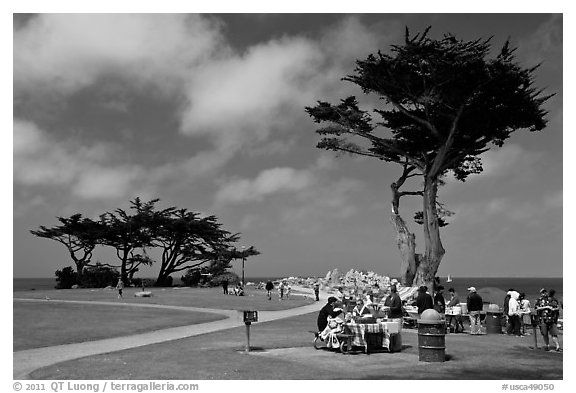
(361, 308)
(514, 313)
(525, 313)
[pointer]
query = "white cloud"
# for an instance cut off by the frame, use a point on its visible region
(67, 52)
(269, 181)
(236, 99)
(319, 205)
(526, 212)
(40, 160)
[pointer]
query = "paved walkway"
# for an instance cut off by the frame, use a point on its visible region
(29, 360)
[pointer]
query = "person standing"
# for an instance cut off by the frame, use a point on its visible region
(269, 288)
(505, 307)
(317, 290)
(525, 311)
(439, 301)
(546, 308)
(514, 313)
(394, 302)
(424, 301)
(325, 312)
(281, 289)
(225, 286)
(454, 298)
(474, 303)
(120, 288)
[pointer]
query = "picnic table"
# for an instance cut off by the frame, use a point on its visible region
(384, 334)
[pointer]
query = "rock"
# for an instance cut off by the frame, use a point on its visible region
(75, 286)
(143, 294)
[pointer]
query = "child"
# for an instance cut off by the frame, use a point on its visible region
(120, 288)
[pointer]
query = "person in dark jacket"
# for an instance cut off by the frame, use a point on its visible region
(424, 301)
(505, 307)
(325, 312)
(225, 286)
(474, 303)
(394, 302)
(269, 288)
(439, 301)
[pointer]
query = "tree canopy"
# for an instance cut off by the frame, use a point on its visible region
(444, 103)
(186, 239)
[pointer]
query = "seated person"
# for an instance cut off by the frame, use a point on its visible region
(335, 324)
(325, 312)
(238, 290)
(361, 308)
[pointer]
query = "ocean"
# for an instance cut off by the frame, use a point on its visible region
(529, 285)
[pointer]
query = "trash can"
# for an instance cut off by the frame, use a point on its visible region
(494, 322)
(431, 337)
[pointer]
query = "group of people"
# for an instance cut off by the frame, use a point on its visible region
(284, 290)
(238, 289)
(331, 317)
(518, 313)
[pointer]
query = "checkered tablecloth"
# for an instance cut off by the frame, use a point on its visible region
(360, 330)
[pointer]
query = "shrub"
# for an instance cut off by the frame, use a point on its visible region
(232, 278)
(191, 278)
(65, 278)
(138, 282)
(167, 282)
(99, 276)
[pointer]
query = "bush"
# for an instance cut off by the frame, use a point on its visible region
(167, 282)
(99, 276)
(138, 282)
(191, 278)
(65, 278)
(232, 278)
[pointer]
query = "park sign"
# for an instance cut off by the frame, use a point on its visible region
(250, 316)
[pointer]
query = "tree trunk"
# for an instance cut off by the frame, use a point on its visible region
(407, 246)
(434, 251)
(405, 239)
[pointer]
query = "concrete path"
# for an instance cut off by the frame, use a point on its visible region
(29, 360)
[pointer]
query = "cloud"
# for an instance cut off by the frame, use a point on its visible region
(525, 212)
(502, 162)
(237, 99)
(545, 43)
(269, 181)
(66, 52)
(40, 160)
(319, 205)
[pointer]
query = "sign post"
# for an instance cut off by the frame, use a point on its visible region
(534, 322)
(249, 317)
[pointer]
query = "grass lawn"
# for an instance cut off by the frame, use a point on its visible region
(187, 297)
(283, 350)
(46, 324)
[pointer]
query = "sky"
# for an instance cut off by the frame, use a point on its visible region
(206, 112)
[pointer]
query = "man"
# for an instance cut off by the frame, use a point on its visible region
(317, 291)
(514, 313)
(454, 301)
(547, 308)
(474, 303)
(394, 302)
(424, 301)
(505, 307)
(225, 286)
(325, 312)
(454, 298)
(439, 302)
(269, 288)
